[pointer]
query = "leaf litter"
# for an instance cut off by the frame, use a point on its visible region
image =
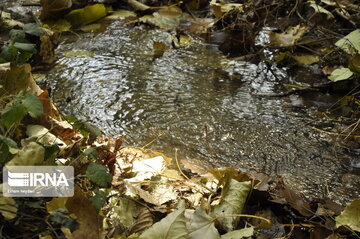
(130, 192)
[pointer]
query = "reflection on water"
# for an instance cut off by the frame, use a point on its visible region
(197, 101)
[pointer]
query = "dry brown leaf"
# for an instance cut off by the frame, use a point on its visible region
(289, 37)
(90, 223)
(144, 220)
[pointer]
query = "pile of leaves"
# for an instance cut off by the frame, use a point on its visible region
(128, 192)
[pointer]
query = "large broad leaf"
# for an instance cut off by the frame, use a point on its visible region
(201, 225)
(173, 226)
(350, 216)
(246, 232)
(13, 114)
(233, 198)
(99, 175)
(33, 105)
(350, 43)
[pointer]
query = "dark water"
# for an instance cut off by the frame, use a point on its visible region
(198, 101)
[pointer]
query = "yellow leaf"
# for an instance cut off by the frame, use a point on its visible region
(86, 15)
(8, 208)
(56, 203)
(306, 59)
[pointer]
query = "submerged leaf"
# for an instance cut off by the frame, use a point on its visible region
(233, 198)
(350, 216)
(340, 74)
(173, 226)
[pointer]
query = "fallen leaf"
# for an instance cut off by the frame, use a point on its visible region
(86, 15)
(201, 225)
(233, 198)
(237, 234)
(354, 63)
(90, 223)
(340, 74)
(8, 208)
(56, 203)
(123, 211)
(306, 59)
(144, 221)
(173, 226)
(43, 136)
(121, 14)
(220, 9)
(350, 216)
(350, 43)
(319, 9)
(30, 155)
(289, 37)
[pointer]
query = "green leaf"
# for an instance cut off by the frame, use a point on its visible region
(9, 142)
(350, 43)
(246, 232)
(91, 153)
(350, 216)
(173, 226)
(201, 225)
(33, 105)
(99, 175)
(13, 114)
(28, 47)
(5, 145)
(98, 200)
(23, 57)
(233, 198)
(17, 36)
(9, 53)
(61, 216)
(33, 29)
(340, 74)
